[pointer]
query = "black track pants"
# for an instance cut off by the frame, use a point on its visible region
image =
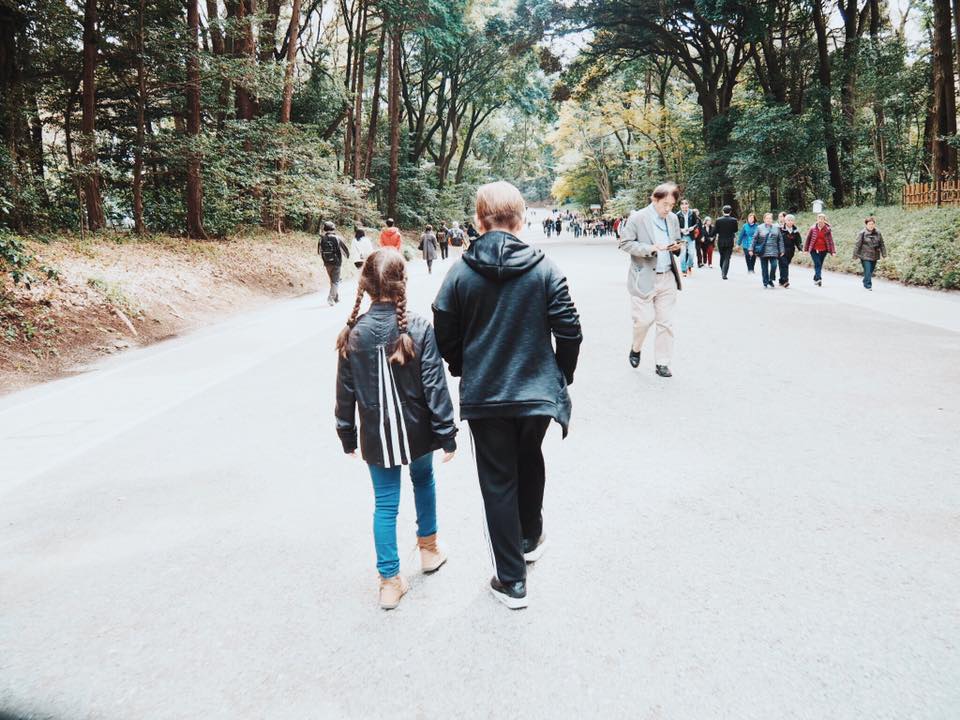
(511, 471)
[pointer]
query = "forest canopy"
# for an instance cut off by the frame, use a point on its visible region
(207, 118)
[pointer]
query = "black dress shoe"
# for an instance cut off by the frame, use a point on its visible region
(513, 595)
(634, 359)
(664, 371)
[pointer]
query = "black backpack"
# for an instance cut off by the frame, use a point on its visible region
(330, 249)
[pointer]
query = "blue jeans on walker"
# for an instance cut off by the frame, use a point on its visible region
(689, 258)
(818, 257)
(768, 267)
(386, 490)
(868, 266)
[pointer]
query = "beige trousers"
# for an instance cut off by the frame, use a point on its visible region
(656, 307)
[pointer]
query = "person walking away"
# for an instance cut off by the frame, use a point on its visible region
(869, 249)
(443, 240)
(332, 250)
(698, 236)
(428, 246)
(768, 246)
(792, 241)
(509, 390)
(455, 233)
(558, 226)
(819, 244)
(689, 222)
(709, 237)
(390, 353)
(726, 234)
(472, 231)
(652, 237)
(363, 245)
(746, 241)
(390, 236)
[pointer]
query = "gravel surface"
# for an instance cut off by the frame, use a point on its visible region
(772, 533)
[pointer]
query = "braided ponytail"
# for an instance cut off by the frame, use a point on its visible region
(403, 351)
(343, 339)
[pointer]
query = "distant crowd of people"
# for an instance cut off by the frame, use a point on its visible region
(577, 224)
(434, 243)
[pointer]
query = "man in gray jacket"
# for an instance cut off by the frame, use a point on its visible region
(651, 236)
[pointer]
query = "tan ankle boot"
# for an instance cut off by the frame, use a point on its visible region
(391, 590)
(430, 556)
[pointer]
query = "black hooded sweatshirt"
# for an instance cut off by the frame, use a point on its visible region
(494, 317)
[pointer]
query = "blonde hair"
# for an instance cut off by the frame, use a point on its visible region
(500, 204)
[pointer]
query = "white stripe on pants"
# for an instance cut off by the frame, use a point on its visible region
(656, 307)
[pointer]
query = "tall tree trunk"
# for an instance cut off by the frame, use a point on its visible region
(879, 138)
(268, 32)
(10, 101)
(91, 179)
(194, 189)
(956, 33)
(475, 121)
(360, 72)
(944, 109)
(138, 224)
(394, 111)
(36, 137)
(219, 43)
(375, 105)
(244, 48)
(286, 106)
(826, 107)
(848, 90)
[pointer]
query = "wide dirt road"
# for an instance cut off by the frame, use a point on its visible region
(772, 533)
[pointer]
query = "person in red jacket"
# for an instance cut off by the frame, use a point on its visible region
(390, 236)
(819, 243)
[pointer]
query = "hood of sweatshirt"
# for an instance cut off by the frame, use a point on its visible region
(500, 256)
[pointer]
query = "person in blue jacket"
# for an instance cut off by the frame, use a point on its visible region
(745, 241)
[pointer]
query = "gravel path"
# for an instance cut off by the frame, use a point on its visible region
(772, 533)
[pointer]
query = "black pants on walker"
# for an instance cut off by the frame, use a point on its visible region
(511, 471)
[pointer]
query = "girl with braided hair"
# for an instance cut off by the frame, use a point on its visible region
(390, 373)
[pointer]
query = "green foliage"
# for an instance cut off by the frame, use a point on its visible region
(772, 151)
(15, 259)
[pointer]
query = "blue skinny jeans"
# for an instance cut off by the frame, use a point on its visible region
(689, 258)
(386, 490)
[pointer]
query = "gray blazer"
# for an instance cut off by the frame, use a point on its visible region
(638, 238)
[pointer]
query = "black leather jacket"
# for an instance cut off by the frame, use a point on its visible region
(405, 410)
(494, 318)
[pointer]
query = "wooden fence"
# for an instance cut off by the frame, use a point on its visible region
(942, 194)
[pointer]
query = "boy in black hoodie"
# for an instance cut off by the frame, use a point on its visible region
(495, 317)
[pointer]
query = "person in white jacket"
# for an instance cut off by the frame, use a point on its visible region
(363, 247)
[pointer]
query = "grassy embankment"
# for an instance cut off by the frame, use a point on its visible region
(112, 291)
(923, 245)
